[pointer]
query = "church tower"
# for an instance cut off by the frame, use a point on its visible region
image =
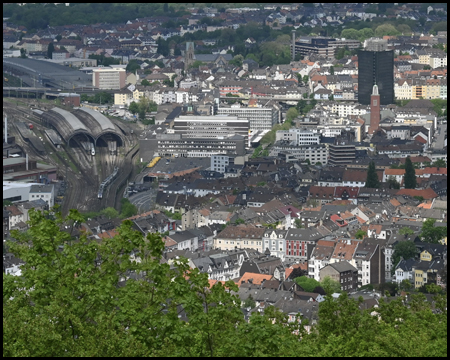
(374, 110)
(189, 55)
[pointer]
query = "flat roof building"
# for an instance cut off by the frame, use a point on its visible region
(211, 126)
(260, 118)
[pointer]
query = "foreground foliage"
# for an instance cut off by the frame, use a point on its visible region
(69, 303)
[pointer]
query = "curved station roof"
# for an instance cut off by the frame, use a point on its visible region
(81, 121)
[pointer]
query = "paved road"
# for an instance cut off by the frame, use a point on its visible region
(440, 136)
(143, 200)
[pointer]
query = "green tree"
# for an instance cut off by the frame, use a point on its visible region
(386, 29)
(360, 234)
(64, 293)
(127, 208)
(237, 60)
(133, 108)
(432, 234)
(249, 302)
(440, 163)
(332, 70)
(291, 114)
(307, 284)
(239, 221)
(23, 53)
(410, 174)
(330, 286)
(298, 223)
(132, 66)
(197, 63)
(393, 183)
(372, 180)
(145, 82)
(404, 249)
(171, 215)
(406, 231)
(110, 213)
(405, 285)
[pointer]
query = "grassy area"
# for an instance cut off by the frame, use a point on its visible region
(10, 80)
(15, 101)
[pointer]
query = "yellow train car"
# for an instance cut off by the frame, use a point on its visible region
(154, 161)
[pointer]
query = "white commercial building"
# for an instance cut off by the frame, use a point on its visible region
(109, 78)
(260, 118)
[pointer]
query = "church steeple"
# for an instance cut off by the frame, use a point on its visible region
(189, 55)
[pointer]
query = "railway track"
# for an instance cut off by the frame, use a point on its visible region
(82, 185)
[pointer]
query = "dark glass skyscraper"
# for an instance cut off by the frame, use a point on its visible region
(376, 68)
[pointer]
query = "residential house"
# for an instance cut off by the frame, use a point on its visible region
(320, 257)
(183, 240)
(342, 272)
(240, 237)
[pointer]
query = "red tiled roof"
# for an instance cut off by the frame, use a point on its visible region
(394, 171)
(395, 202)
(425, 193)
(256, 278)
(351, 191)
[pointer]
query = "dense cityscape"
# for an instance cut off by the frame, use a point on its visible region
(198, 179)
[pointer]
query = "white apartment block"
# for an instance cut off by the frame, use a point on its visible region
(438, 61)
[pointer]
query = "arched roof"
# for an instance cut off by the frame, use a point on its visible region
(81, 121)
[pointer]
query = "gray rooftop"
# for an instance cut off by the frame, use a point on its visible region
(41, 188)
(74, 122)
(104, 122)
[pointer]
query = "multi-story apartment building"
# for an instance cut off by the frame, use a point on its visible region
(320, 257)
(275, 241)
(342, 272)
(219, 162)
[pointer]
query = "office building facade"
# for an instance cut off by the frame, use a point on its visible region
(178, 145)
(376, 68)
(260, 118)
(210, 126)
(109, 78)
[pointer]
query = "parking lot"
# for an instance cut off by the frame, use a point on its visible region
(173, 165)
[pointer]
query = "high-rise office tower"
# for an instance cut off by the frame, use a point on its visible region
(376, 67)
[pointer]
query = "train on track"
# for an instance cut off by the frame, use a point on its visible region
(106, 182)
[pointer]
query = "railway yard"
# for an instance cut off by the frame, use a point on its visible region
(79, 172)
